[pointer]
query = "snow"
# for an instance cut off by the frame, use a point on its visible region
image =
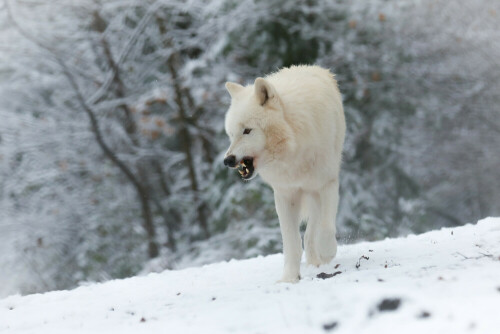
(447, 281)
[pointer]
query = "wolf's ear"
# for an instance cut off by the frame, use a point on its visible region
(264, 90)
(233, 88)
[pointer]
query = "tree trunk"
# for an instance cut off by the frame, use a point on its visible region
(187, 142)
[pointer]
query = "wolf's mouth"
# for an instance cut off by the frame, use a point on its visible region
(246, 168)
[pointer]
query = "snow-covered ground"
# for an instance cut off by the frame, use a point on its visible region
(445, 281)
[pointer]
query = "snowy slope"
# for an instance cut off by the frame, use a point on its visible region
(445, 281)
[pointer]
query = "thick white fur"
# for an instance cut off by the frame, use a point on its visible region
(298, 130)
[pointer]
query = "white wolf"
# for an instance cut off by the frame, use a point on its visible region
(289, 127)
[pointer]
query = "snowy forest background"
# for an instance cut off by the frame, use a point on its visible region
(111, 126)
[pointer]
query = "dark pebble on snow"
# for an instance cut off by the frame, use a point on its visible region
(389, 304)
(330, 326)
(424, 314)
(325, 275)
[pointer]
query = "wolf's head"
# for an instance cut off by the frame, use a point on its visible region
(256, 127)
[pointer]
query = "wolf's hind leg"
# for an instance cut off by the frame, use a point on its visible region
(312, 208)
(326, 239)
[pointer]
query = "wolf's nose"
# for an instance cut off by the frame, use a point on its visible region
(230, 161)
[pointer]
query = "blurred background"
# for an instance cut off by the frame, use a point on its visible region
(112, 139)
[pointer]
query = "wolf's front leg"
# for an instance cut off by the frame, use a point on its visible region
(288, 208)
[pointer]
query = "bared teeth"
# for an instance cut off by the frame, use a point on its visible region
(243, 169)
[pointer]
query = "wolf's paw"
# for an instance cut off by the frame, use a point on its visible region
(289, 279)
(314, 262)
(327, 248)
(326, 259)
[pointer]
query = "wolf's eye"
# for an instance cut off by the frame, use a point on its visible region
(247, 131)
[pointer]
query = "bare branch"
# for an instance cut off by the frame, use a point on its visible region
(108, 152)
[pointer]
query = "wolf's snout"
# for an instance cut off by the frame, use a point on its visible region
(230, 161)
